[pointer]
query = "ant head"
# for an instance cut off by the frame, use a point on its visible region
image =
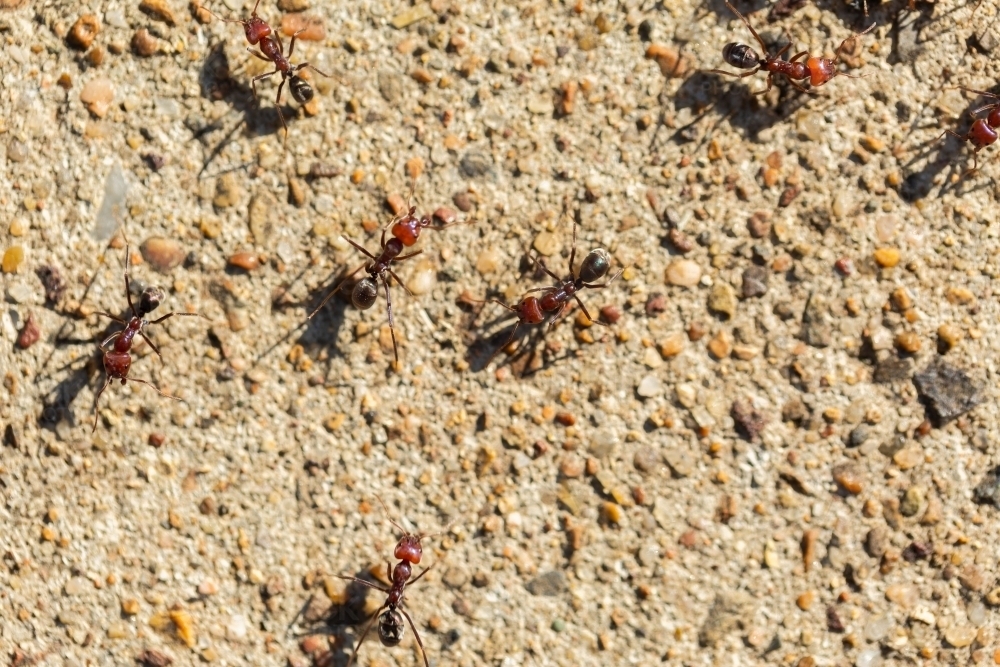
(255, 28)
(595, 265)
(390, 627)
(408, 548)
(364, 294)
(150, 300)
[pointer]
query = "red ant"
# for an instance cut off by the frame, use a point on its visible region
(390, 622)
(817, 70)
(118, 360)
(983, 132)
(533, 310)
(405, 231)
(258, 32)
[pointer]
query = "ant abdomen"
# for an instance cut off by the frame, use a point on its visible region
(390, 627)
(364, 294)
(740, 55)
(150, 300)
(301, 90)
(595, 265)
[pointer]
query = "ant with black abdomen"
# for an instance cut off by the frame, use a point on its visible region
(817, 70)
(118, 360)
(259, 33)
(390, 621)
(556, 298)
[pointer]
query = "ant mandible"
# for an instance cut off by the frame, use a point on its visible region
(555, 299)
(258, 32)
(405, 231)
(817, 70)
(390, 621)
(118, 360)
(983, 132)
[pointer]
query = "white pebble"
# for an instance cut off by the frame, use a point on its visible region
(649, 387)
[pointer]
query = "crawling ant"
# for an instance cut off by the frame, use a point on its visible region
(405, 231)
(983, 132)
(390, 621)
(259, 33)
(555, 299)
(817, 70)
(118, 359)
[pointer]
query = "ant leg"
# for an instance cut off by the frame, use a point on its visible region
(544, 268)
(357, 246)
(315, 69)
(587, 313)
(110, 338)
(362, 582)
(261, 77)
(509, 339)
(363, 635)
(291, 47)
(416, 635)
(156, 389)
(980, 92)
(334, 291)
(738, 76)
(388, 309)
(393, 274)
(110, 316)
(572, 253)
(781, 52)
(402, 257)
(808, 91)
(770, 81)
(277, 106)
(169, 315)
(258, 54)
(128, 290)
(798, 55)
(604, 284)
(753, 32)
(150, 343)
(425, 571)
(97, 399)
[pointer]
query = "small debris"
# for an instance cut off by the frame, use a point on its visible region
(755, 282)
(649, 387)
(816, 331)
(308, 28)
(248, 261)
(749, 421)
(144, 44)
(152, 658)
(13, 257)
(848, 477)
(410, 16)
(158, 9)
(728, 613)
(97, 95)
(30, 333)
(683, 273)
(988, 490)
(672, 64)
(722, 300)
(163, 254)
(83, 32)
(550, 584)
(947, 391)
(892, 369)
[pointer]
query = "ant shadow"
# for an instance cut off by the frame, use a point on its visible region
(216, 82)
(336, 619)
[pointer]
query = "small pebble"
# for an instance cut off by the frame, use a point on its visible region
(571, 467)
(445, 215)
(876, 542)
(908, 342)
(683, 273)
(672, 345)
(611, 512)
(158, 9)
(419, 12)
(905, 595)
(546, 244)
(163, 254)
(913, 501)
(550, 584)
(680, 241)
(672, 64)
(755, 282)
(721, 345)
(948, 391)
(83, 32)
(908, 457)
(845, 266)
(759, 224)
(848, 476)
(309, 28)
(805, 601)
(649, 387)
(12, 259)
(887, 257)
(97, 95)
(144, 44)
(960, 636)
(488, 260)
(722, 300)
(859, 434)
(808, 546)
(462, 201)
(423, 278)
(949, 336)
(248, 261)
